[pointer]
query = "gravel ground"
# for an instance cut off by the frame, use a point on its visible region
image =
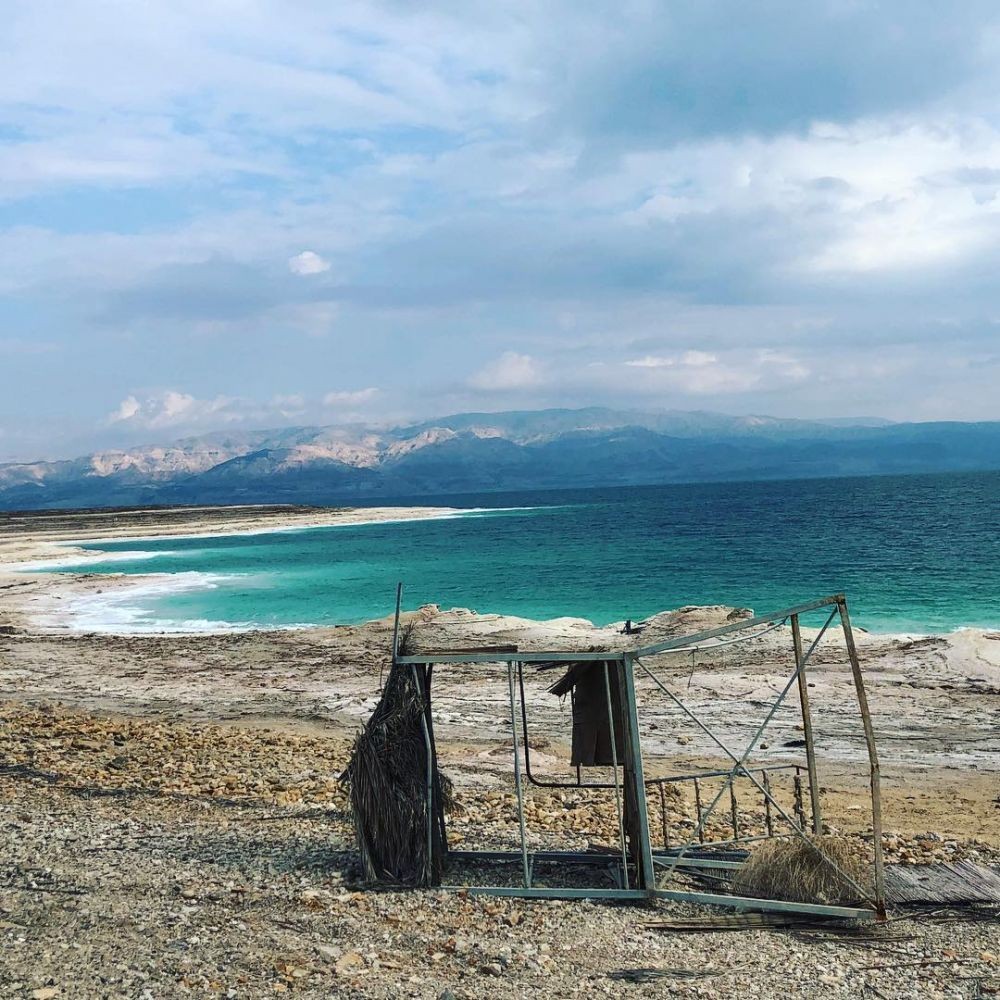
(149, 858)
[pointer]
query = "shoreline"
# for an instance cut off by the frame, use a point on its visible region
(35, 594)
(34, 556)
(40, 540)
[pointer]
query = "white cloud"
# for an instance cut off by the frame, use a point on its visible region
(689, 359)
(308, 262)
(128, 409)
(345, 398)
(703, 373)
(291, 405)
(170, 409)
(510, 371)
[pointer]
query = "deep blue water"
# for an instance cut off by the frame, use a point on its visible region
(913, 553)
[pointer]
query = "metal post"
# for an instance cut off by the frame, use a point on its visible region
(697, 809)
(866, 719)
(614, 765)
(800, 813)
(644, 849)
(768, 822)
(734, 812)
(395, 624)
(663, 817)
(517, 779)
(807, 728)
(429, 867)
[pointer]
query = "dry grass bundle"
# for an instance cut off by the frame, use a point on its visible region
(387, 775)
(795, 870)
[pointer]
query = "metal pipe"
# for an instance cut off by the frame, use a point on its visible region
(443, 656)
(768, 822)
(697, 809)
(517, 779)
(807, 729)
(636, 772)
(875, 774)
(723, 643)
(429, 867)
(395, 623)
(688, 640)
(800, 813)
(663, 818)
(614, 765)
(537, 782)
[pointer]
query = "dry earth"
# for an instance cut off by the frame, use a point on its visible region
(173, 826)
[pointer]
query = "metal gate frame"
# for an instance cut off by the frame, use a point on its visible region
(646, 861)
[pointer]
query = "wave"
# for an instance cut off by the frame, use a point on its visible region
(126, 610)
(81, 559)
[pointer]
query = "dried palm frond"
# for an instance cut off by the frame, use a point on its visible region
(400, 828)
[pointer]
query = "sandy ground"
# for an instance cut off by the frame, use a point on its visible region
(169, 802)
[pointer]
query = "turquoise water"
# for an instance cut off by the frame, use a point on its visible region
(913, 553)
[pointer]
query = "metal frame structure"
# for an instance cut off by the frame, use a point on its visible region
(638, 868)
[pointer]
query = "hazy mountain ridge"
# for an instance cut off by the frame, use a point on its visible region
(482, 451)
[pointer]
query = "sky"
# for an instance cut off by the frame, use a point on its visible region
(251, 213)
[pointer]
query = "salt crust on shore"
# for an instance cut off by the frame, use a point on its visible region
(173, 826)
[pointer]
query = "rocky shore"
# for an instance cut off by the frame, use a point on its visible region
(173, 824)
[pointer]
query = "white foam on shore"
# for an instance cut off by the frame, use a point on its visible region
(82, 558)
(126, 610)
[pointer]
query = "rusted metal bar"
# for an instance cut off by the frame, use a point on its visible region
(697, 807)
(663, 818)
(807, 729)
(768, 821)
(734, 811)
(875, 774)
(800, 813)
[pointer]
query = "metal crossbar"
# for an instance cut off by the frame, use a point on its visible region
(739, 763)
(563, 656)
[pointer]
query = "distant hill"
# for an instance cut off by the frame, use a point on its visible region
(472, 452)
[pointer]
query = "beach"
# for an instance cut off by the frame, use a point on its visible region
(178, 818)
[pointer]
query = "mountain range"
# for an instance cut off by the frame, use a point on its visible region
(480, 452)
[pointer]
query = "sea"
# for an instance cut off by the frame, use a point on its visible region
(914, 554)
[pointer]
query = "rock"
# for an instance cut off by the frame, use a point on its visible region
(491, 969)
(349, 964)
(45, 993)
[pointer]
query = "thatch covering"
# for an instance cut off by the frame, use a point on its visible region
(796, 870)
(388, 785)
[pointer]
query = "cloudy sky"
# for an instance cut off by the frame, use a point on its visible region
(235, 213)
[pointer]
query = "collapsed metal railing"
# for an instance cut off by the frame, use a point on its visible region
(640, 870)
